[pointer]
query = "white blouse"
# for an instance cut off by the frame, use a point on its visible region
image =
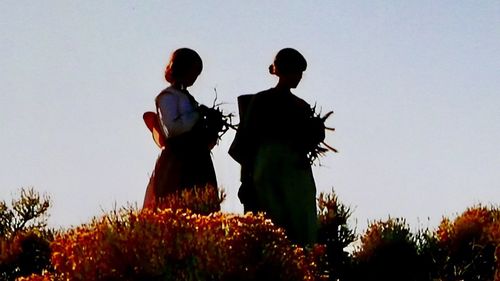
(177, 113)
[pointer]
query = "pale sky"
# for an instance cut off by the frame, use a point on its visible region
(414, 85)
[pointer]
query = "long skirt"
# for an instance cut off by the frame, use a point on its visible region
(182, 164)
(286, 191)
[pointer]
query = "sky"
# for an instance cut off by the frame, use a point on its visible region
(414, 86)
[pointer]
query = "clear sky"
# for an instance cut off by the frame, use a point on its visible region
(414, 85)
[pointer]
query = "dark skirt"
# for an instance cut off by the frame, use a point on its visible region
(184, 163)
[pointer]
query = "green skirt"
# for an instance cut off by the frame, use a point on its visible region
(286, 191)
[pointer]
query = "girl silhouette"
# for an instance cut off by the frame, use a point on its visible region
(185, 160)
(277, 130)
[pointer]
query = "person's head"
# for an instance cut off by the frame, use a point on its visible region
(288, 65)
(183, 68)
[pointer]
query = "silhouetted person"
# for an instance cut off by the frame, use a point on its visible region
(275, 134)
(185, 159)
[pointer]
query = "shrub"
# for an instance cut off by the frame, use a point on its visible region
(335, 234)
(467, 245)
(388, 251)
(24, 238)
(27, 212)
(182, 239)
(186, 238)
(24, 254)
(45, 276)
(200, 200)
(177, 245)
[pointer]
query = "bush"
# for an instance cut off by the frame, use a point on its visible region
(24, 254)
(335, 234)
(24, 237)
(26, 213)
(389, 251)
(178, 245)
(187, 239)
(200, 200)
(175, 243)
(467, 245)
(466, 248)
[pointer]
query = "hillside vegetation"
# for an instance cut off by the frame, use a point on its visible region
(190, 239)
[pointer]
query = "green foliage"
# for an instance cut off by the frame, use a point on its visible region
(29, 211)
(24, 238)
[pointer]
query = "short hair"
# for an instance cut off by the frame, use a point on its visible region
(287, 61)
(181, 62)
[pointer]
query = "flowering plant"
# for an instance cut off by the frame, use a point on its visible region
(469, 244)
(334, 234)
(176, 245)
(200, 200)
(388, 251)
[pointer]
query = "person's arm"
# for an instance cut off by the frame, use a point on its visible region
(176, 113)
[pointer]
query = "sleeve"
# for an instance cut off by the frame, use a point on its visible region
(177, 115)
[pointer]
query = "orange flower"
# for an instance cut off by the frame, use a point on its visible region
(176, 244)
